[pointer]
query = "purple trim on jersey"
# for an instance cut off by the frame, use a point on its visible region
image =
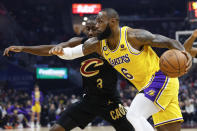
(34, 98)
(158, 83)
(169, 121)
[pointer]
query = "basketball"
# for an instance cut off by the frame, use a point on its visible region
(173, 63)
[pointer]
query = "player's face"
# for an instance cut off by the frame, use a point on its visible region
(36, 88)
(90, 28)
(103, 26)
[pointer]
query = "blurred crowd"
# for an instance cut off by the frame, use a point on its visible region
(15, 109)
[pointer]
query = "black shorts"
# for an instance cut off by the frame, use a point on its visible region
(84, 112)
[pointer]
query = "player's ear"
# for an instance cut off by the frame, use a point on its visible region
(112, 21)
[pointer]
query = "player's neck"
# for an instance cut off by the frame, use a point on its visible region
(114, 38)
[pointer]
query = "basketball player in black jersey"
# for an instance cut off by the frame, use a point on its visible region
(189, 42)
(101, 96)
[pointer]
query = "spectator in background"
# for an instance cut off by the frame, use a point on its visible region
(52, 114)
(189, 108)
(28, 110)
(37, 98)
(3, 117)
(73, 99)
(44, 115)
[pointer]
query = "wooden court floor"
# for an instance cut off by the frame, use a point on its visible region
(108, 128)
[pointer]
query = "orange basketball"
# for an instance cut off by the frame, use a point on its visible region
(173, 63)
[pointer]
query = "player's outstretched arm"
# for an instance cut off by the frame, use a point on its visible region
(90, 46)
(189, 43)
(41, 50)
(58, 49)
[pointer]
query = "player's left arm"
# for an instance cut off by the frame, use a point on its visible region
(139, 38)
(189, 43)
(92, 45)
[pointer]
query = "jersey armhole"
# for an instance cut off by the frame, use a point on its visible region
(131, 49)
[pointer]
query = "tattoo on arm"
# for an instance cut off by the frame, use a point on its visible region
(144, 37)
(90, 46)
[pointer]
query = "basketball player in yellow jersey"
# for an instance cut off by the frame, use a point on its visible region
(37, 98)
(129, 51)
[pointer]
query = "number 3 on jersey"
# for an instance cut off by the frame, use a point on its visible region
(99, 83)
(125, 72)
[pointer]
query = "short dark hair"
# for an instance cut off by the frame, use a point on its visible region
(111, 13)
(36, 86)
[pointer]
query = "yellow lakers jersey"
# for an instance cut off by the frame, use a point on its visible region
(136, 66)
(37, 96)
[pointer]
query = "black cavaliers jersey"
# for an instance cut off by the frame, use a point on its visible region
(99, 77)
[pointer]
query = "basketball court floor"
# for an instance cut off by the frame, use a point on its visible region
(106, 128)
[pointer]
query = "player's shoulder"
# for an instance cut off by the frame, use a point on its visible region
(133, 32)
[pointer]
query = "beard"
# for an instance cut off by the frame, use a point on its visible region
(105, 34)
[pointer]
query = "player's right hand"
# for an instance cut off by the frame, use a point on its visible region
(189, 61)
(13, 49)
(57, 50)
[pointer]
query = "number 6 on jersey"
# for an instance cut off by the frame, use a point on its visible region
(125, 72)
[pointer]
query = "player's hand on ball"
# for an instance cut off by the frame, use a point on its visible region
(13, 49)
(189, 61)
(195, 33)
(57, 50)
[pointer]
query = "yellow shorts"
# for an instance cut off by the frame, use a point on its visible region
(36, 108)
(168, 102)
(163, 91)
